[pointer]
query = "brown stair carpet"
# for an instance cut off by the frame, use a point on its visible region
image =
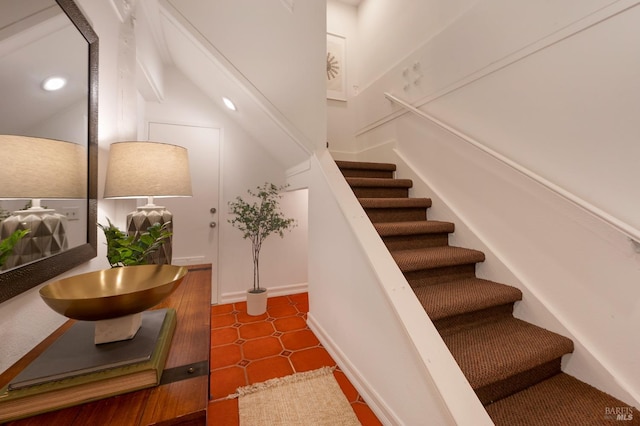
(513, 366)
(562, 400)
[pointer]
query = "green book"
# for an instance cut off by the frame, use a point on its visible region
(47, 390)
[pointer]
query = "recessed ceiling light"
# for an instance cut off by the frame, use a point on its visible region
(229, 104)
(54, 83)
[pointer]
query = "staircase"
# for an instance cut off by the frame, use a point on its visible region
(513, 366)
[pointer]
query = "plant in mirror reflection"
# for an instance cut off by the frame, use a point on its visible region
(7, 245)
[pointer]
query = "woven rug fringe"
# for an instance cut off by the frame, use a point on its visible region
(293, 378)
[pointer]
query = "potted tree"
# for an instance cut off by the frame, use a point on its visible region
(257, 221)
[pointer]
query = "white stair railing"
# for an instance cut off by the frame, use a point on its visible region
(632, 233)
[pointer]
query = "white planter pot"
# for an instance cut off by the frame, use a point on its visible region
(256, 302)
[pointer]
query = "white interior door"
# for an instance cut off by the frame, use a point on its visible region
(195, 219)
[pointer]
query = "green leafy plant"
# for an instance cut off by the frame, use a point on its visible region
(128, 250)
(258, 220)
(7, 245)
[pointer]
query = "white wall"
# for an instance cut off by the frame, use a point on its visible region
(552, 86)
(244, 164)
(577, 274)
(276, 49)
(341, 119)
(390, 30)
(368, 318)
(25, 319)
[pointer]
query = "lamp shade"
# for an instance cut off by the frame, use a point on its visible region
(42, 168)
(147, 169)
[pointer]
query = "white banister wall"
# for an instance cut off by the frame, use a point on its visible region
(578, 274)
(369, 319)
(626, 229)
(553, 87)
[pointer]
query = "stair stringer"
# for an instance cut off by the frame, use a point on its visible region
(369, 319)
(584, 363)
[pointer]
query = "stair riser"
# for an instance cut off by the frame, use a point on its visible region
(380, 192)
(446, 326)
(416, 241)
(367, 173)
(440, 275)
(396, 214)
(473, 316)
(495, 391)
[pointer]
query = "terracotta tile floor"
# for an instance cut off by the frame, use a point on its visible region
(250, 349)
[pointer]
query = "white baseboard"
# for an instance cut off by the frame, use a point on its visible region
(184, 261)
(241, 296)
(379, 152)
(384, 413)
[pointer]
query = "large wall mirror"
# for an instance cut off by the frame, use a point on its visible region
(41, 39)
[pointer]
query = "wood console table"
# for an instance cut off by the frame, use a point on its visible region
(182, 396)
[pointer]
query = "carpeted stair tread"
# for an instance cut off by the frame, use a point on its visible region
(386, 203)
(504, 359)
(358, 165)
(435, 257)
(495, 351)
(416, 227)
(379, 182)
(463, 296)
(559, 401)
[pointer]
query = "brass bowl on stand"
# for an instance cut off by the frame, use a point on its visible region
(114, 298)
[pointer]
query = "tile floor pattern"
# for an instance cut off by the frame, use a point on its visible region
(251, 349)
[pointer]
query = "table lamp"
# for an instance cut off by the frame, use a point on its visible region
(148, 170)
(34, 169)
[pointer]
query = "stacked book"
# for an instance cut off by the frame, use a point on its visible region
(74, 370)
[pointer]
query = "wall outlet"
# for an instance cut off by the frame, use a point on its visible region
(72, 213)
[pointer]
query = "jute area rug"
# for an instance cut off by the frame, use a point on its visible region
(309, 398)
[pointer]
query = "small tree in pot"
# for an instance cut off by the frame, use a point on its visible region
(257, 221)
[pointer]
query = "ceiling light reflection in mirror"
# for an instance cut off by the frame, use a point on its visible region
(37, 42)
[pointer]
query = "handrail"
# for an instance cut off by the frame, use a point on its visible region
(632, 233)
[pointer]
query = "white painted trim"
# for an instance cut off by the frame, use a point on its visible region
(119, 12)
(344, 155)
(575, 28)
(192, 260)
(357, 156)
(458, 398)
(151, 82)
(241, 296)
(628, 230)
(235, 75)
(533, 297)
(215, 273)
(383, 412)
(562, 34)
(298, 169)
(289, 4)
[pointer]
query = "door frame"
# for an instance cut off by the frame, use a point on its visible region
(215, 273)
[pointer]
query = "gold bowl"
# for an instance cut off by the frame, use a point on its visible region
(112, 293)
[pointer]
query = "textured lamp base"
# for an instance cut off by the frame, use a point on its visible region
(145, 217)
(47, 235)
